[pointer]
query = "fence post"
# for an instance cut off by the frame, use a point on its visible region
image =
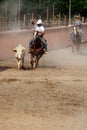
(24, 24)
(39, 17)
(83, 20)
(47, 13)
(59, 21)
(6, 13)
(19, 16)
(32, 17)
(65, 20)
(16, 21)
(3, 23)
(53, 13)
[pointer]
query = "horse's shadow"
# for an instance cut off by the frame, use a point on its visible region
(83, 53)
(83, 50)
(3, 68)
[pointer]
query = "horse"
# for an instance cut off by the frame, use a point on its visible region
(36, 50)
(75, 39)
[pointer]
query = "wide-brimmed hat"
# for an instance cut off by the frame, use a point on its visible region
(77, 17)
(39, 21)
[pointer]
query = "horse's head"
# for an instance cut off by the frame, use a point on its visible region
(37, 42)
(35, 35)
(75, 30)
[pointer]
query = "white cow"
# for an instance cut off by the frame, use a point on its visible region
(20, 54)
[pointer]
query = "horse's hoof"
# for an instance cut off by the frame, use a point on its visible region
(23, 67)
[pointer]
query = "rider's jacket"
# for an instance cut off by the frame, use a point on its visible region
(39, 29)
(78, 24)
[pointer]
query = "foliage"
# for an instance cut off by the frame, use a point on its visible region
(61, 6)
(77, 7)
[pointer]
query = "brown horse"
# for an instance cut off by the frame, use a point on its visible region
(75, 39)
(36, 50)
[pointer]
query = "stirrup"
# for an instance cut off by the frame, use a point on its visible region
(45, 51)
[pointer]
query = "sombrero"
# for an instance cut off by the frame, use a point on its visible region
(39, 21)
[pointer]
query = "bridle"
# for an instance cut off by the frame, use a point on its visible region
(75, 30)
(35, 35)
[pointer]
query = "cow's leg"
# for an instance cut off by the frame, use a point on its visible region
(23, 63)
(19, 64)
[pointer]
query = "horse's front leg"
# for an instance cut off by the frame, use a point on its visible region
(31, 60)
(72, 45)
(78, 46)
(37, 60)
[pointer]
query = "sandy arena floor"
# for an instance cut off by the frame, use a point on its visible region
(51, 97)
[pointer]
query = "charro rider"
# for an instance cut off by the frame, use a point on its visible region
(38, 26)
(78, 24)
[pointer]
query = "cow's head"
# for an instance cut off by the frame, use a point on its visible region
(18, 53)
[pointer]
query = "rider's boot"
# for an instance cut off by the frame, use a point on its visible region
(45, 51)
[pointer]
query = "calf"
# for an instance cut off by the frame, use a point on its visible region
(20, 54)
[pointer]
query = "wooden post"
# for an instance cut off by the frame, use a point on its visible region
(16, 21)
(53, 13)
(19, 12)
(83, 20)
(3, 23)
(47, 13)
(59, 22)
(59, 16)
(39, 17)
(6, 14)
(64, 19)
(19, 16)
(24, 21)
(32, 16)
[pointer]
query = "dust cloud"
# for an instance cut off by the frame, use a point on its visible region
(51, 97)
(65, 57)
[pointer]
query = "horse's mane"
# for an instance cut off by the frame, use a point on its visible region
(76, 35)
(37, 43)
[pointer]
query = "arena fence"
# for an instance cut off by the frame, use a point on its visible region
(57, 37)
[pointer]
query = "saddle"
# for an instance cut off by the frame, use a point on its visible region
(36, 46)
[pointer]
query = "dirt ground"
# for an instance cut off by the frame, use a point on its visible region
(51, 97)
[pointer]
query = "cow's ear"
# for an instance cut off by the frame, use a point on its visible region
(14, 50)
(23, 49)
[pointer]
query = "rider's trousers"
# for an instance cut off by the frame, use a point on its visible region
(43, 41)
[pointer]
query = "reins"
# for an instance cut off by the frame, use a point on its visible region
(35, 45)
